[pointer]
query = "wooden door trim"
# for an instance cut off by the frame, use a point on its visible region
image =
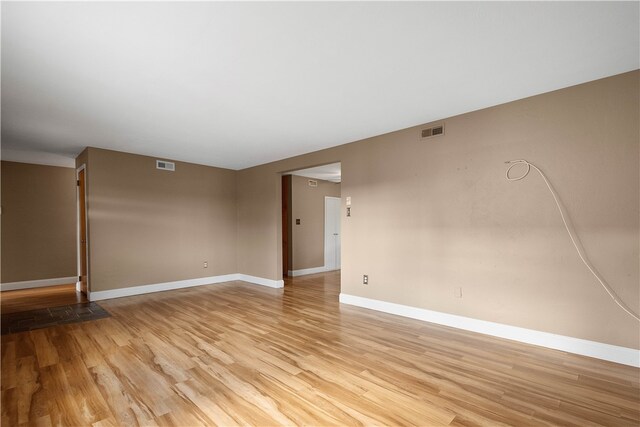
(83, 167)
(286, 236)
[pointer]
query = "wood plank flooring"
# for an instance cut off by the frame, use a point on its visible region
(236, 353)
(37, 298)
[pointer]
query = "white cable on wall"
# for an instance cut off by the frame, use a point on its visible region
(574, 239)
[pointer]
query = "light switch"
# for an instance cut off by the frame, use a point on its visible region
(348, 201)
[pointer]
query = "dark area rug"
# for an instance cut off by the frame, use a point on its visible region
(46, 317)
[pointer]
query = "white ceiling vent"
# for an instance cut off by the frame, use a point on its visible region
(432, 131)
(313, 183)
(164, 165)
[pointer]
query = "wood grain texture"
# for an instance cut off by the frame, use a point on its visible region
(235, 353)
(36, 298)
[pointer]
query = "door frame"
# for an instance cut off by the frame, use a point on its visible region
(286, 224)
(83, 167)
(339, 199)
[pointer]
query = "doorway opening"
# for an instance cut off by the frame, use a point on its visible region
(311, 206)
(41, 210)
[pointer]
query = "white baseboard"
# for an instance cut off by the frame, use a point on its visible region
(305, 271)
(159, 287)
(27, 284)
(612, 353)
(179, 284)
(261, 281)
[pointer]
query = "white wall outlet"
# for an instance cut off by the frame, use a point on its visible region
(458, 292)
(206, 264)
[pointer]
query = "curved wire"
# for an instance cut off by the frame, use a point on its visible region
(574, 239)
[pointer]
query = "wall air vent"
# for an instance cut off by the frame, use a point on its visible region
(165, 166)
(432, 131)
(313, 183)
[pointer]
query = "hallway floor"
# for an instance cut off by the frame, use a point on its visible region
(37, 298)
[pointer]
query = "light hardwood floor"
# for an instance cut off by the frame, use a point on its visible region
(237, 353)
(33, 299)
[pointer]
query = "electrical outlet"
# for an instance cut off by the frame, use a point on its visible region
(365, 279)
(206, 264)
(458, 292)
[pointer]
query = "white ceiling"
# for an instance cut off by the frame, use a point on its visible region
(331, 172)
(240, 84)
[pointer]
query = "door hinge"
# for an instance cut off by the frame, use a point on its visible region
(78, 183)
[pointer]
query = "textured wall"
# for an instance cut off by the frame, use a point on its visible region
(38, 222)
(151, 226)
(430, 216)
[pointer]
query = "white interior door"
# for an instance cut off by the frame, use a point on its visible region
(332, 233)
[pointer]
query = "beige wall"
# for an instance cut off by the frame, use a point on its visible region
(430, 216)
(38, 222)
(308, 206)
(150, 226)
(427, 216)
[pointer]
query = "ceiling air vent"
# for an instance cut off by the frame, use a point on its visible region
(432, 131)
(313, 183)
(164, 165)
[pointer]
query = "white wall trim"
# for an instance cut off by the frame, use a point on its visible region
(27, 284)
(179, 284)
(612, 353)
(159, 287)
(261, 281)
(305, 271)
